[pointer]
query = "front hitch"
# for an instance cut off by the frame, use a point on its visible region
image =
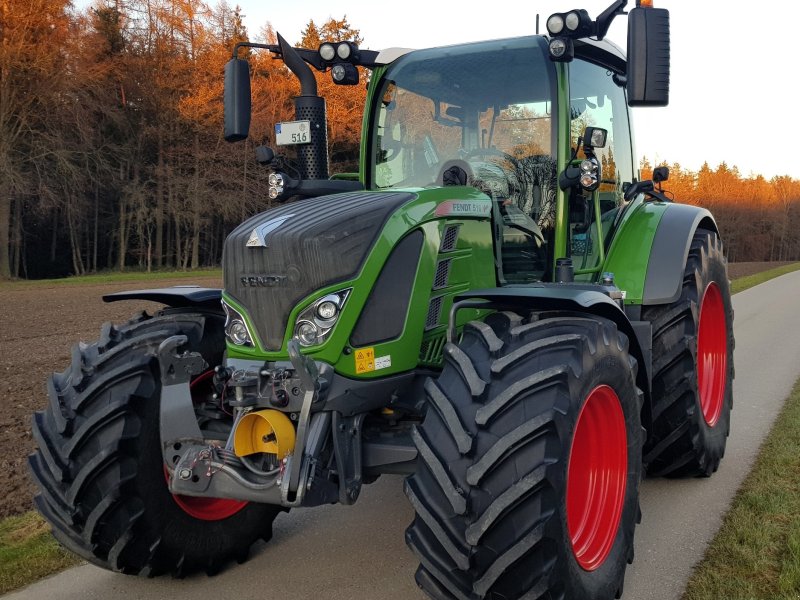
(197, 467)
(177, 421)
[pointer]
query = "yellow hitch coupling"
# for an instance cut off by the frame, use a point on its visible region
(268, 431)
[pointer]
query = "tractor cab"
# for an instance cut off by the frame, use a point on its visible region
(489, 115)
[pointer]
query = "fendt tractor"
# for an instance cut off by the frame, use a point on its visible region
(496, 306)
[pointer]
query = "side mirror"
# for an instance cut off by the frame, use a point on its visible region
(595, 137)
(236, 100)
(648, 57)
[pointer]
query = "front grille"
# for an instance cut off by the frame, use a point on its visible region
(384, 314)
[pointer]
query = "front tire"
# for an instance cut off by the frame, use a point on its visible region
(529, 463)
(99, 466)
(692, 367)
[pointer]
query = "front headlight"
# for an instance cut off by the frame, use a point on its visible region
(316, 322)
(236, 330)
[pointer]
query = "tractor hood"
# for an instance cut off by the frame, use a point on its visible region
(274, 260)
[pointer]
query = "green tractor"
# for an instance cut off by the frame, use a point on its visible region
(496, 306)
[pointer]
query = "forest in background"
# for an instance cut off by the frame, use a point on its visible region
(111, 149)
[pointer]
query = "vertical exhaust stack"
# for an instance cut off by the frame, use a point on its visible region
(310, 107)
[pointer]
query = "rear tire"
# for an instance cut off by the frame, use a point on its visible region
(99, 466)
(692, 367)
(508, 498)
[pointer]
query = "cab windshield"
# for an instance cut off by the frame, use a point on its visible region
(479, 115)
(479, 103)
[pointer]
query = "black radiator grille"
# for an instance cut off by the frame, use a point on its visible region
(434, 312)
(449, 239)
(442, 274)
(384, 314)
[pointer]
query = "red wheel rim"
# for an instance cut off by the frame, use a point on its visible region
(712, 354)
(597, 477)
(206, 509)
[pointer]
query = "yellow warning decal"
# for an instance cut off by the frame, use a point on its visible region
(365, 360)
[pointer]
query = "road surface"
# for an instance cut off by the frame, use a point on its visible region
(358, 553)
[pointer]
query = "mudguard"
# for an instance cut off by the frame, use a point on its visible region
(670, 249)
(648, 252)
(183, 296)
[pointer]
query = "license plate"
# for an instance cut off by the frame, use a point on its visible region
(293, 132)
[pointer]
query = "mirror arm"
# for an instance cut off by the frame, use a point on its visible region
(270, 47)
(605, 18)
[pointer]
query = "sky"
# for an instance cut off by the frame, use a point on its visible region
(734, 88)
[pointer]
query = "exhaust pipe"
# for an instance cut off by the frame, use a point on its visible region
(308, 106)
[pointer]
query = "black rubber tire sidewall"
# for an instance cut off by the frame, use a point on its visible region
(680, 441)
(550, 566)
(112, 505)
(605, 581)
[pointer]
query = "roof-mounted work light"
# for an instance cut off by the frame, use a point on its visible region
(344, 74)
(577, 24)
(564, 27)
(327, 51)
(561, 49)
(341, 58)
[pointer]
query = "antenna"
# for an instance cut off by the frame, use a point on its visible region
(537, 23)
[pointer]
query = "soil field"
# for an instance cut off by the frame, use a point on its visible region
(38, 327)
(743, 269)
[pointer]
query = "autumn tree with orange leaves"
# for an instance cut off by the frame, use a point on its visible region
(759, 219)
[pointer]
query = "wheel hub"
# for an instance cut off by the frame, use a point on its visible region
(597, 477)
(712, 354)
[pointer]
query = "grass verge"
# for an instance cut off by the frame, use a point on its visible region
(743, 283)
(756, 553)
(28, 552)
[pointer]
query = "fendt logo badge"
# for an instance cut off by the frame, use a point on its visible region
(259, 235)
(262, 280)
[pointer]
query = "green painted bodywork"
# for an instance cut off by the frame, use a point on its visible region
(629, 252)
(472, 262)
(562, 156)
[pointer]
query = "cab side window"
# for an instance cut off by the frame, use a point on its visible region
(595, 100)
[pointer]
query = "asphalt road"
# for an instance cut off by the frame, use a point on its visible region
(358, 553)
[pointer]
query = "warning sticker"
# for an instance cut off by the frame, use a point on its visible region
(365, 360)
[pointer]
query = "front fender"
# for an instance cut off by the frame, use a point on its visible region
(670, 250)
(649, 250)
(577, 298)
(183, 296)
